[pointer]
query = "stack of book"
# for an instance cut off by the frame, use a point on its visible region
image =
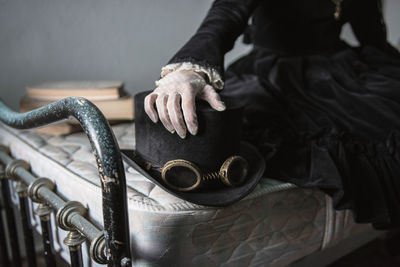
(108, 96)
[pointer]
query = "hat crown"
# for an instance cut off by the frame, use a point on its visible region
(217, 139)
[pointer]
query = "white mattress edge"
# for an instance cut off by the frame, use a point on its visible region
(145, 206)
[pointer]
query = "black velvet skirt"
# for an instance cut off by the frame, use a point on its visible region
(329, 121)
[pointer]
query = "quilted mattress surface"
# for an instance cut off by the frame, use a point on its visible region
(275, 225)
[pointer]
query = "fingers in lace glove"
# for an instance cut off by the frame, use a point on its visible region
(174, 109)
(149, 106)
(189, 112)
(208, 94)
(161, 104)
(176, 93)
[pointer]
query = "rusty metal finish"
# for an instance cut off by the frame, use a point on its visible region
(108, 157)
(70, 215)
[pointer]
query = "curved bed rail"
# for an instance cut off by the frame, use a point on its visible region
(109, 162)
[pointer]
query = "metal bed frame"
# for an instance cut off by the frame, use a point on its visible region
(107, 246)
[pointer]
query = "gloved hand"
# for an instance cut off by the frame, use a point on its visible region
(176, 89)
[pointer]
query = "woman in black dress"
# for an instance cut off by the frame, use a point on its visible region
(323, 114)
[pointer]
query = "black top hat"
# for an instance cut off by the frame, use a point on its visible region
(212, 168)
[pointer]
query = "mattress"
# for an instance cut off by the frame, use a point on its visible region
(276, 225)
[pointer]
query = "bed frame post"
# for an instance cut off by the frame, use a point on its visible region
(74, 241)
(26, 224)
(10, 220)
(44, 211)
(109, 161)
(4, 258)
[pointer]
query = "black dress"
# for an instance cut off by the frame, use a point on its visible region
(324, 114)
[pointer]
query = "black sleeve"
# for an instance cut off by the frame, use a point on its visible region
(225, 21)
(369, 26)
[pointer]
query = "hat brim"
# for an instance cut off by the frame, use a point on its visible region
(218, 197)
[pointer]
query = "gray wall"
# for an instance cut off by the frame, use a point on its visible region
(125, 40)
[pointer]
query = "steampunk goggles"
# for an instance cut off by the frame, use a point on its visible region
(183, 175)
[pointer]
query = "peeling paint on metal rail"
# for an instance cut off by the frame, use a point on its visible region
(106, 151)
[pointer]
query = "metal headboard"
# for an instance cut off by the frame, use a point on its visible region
(112, 247)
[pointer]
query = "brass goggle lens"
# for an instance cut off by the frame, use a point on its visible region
(234, 171)
(182, 175)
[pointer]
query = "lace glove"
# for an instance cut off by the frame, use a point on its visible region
(179, 89)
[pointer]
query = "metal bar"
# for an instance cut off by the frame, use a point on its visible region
(10, 222)
(44, 211)
(69, 216)
(76, 257)
(74, 241)
(106, 151)
(4, 258)
(47, 238)
(26, 225)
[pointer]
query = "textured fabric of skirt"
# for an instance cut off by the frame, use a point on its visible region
(328, 121)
